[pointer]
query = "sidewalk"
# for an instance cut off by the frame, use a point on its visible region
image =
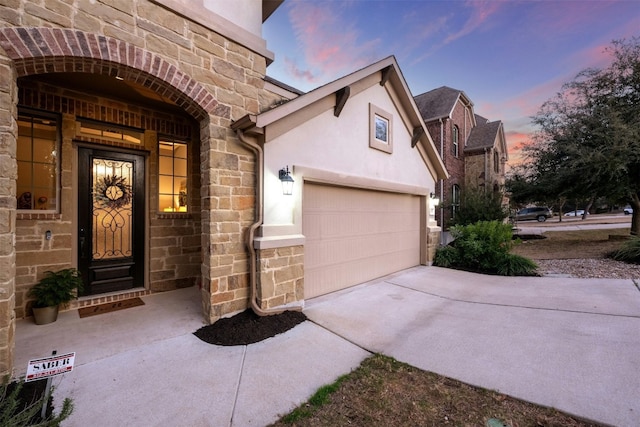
(568, 343)
(600, 221)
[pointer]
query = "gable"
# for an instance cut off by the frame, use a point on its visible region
(342, 144)
(486, 136)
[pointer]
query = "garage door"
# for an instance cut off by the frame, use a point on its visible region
(354, 235)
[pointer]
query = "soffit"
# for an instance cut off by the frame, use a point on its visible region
(108, 87)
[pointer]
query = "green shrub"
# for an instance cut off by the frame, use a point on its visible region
(18, 411)
(516, 265)
(481, 244)
(478, 205)
(446, 256)
(629, 252)
(484, 247)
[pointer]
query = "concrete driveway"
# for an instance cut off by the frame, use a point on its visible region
(572, 344)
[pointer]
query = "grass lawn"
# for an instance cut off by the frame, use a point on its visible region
(385, 392)
(580, 244)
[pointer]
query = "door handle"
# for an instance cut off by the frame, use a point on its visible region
(82, 240)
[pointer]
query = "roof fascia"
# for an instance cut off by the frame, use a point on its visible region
(503, 142)
(271, 116)
(268, 7)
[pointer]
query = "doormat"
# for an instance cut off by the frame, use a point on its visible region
(109, 307)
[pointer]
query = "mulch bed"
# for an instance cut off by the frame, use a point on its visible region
(248, 328)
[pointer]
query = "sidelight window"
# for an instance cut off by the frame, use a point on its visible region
(37, 156)
(172, 176)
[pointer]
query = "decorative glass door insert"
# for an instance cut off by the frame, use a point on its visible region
(112, 209)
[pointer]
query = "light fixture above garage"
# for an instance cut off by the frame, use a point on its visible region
(287, 181)
(434, 199)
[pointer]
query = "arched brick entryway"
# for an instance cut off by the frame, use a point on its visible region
(53, 50)
(31, 51)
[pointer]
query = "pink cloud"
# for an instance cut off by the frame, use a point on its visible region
(330, 45)
(595, 56)
(297, 73)
(481, 11)
(516, 141)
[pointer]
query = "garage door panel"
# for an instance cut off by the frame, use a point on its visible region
(324, 252)
(353, 236)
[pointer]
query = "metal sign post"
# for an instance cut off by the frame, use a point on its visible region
(48, 367)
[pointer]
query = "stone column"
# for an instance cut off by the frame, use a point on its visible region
(8, 176)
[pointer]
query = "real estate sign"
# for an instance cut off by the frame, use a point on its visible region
(50, 366)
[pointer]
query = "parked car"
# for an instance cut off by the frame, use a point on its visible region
(628, 210)
(578, 212)
(537, 212)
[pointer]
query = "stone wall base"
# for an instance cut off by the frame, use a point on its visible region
(281, 279)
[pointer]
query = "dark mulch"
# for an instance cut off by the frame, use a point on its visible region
(528, 236)
(248, 328)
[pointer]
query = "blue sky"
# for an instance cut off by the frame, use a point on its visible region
(507, 56)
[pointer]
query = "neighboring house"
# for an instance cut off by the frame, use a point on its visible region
(485, 156)
(473, 149)
(141, 143)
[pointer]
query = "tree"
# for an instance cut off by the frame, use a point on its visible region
(588, 144)
(480, 205)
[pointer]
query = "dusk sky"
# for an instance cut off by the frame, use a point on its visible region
(507, 56)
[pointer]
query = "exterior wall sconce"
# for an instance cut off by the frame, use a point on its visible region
(287, 181)
(433, 202)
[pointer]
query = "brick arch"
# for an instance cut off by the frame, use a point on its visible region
(54, 50)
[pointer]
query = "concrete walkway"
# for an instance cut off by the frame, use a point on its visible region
(568, 343)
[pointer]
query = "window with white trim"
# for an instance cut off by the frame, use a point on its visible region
(380, 129)
(455, 141)
(455, 200)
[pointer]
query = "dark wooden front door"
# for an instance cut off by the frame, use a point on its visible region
(110, 220)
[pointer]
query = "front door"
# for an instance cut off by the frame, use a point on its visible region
(110, 220)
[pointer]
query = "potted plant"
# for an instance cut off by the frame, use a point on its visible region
(54, 289)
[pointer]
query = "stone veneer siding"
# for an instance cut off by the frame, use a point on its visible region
(212, 78)
(8, 175)
(281, 279)
(433, 242)
(479, 164)
(174, 239)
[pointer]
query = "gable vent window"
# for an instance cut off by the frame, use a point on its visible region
(380, 129)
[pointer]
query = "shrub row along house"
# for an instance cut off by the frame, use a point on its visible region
(473, 149)
(141, 143)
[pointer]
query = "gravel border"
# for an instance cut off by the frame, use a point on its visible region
(588, 268)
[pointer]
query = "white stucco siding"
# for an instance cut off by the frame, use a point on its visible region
(244, 13)
(340, 145)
